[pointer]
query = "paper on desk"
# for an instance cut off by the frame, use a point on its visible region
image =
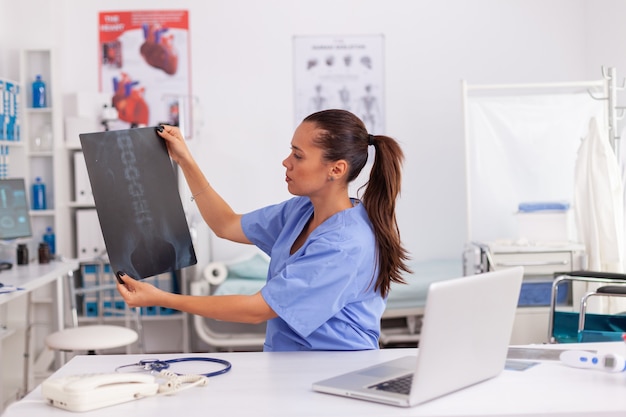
(9, 288)
(512, 365)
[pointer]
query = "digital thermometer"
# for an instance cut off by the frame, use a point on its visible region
(608, 362)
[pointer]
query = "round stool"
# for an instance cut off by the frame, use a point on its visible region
(91, 338)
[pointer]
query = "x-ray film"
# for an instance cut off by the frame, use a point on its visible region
(137, 200)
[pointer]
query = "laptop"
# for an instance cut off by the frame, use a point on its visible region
(464, 340)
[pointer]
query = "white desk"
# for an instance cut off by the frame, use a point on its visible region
(17, 359)
(35, 275)
(279, 384)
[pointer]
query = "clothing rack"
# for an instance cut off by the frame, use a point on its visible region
(610, 95)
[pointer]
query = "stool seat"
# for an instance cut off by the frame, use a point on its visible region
(91, 338)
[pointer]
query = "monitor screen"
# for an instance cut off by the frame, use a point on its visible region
(14, 215)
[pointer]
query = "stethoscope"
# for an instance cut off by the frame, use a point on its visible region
(157, 365)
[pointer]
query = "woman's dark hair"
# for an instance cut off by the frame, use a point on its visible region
(344, 136)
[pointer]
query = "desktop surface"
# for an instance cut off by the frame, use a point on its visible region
(279, 384)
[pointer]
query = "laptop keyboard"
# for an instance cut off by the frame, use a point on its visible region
(401, 385)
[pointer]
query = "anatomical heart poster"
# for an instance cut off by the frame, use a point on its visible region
(139, 208)
(144, 66)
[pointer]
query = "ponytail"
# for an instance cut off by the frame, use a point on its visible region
(379, 199)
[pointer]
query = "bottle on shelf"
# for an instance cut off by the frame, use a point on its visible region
(39, 93)
(50, 239)
(39, 195)
(42, 140)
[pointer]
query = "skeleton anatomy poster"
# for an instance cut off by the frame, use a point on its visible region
(344, 72)
(144, 66)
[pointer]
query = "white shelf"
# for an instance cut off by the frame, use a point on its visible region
(13, 143)
(44, 110)
(41, 154)
(74, 204)
(42, 213)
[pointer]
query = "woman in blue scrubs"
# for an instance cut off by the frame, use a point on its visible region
(333, 257)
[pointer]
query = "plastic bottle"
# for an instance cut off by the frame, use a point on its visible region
(39, 195)
(50, 239)
(39, 92)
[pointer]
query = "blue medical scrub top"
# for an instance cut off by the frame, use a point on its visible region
(324, 293)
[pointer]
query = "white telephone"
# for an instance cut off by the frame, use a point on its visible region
(88, 392)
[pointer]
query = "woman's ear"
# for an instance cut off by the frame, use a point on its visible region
(339, 169)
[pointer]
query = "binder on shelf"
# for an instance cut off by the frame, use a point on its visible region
(17, 109)
(82, 187)
(89, 240)
(3, 123)
(4, 161)
(12, 90)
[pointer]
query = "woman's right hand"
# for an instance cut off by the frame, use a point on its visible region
(175, 142)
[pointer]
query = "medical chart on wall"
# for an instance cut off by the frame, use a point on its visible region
(344, 72)
(144, 65)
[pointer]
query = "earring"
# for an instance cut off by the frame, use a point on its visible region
(331, 178)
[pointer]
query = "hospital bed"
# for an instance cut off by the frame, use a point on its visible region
(402, 319)
(238, 276)
(400, 323)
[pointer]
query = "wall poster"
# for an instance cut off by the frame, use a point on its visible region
(343, 72)
(144, 64)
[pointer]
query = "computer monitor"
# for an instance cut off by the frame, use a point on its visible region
(14, 216)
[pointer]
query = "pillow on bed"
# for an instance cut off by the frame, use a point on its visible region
(252, 268)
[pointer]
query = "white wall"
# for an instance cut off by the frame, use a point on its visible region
(242, 73)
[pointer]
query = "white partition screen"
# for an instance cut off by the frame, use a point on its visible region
(521, 146)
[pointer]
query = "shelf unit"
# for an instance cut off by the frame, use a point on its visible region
(42, 136)
(45, 154)
(37, 153)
